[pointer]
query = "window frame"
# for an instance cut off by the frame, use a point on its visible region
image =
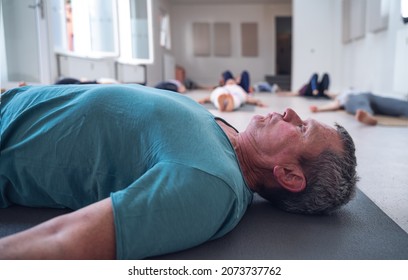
(122, 52)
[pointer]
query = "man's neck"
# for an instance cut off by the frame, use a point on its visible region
(229, 131)
(234, 138)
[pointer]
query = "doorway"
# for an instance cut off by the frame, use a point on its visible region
(283, 67)
(284, 46)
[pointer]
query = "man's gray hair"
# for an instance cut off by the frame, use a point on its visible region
(330, 181)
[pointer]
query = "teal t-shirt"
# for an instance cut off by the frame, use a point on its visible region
(170, 170)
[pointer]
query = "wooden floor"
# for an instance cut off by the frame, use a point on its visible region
(382, 151)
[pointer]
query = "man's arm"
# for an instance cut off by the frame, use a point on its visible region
(87, 233)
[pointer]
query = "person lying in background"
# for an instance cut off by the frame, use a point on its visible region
(83, 81)
(244, 81)
(149, 172)
(313, 88)
(266, 87)
(73, 81)
(230, 97)
(365, 105)
(172, 85)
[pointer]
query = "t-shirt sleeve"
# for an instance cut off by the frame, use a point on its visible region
(170, 208)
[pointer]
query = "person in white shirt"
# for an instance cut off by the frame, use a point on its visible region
(230, 97)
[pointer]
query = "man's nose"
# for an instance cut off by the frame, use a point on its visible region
(291, 116)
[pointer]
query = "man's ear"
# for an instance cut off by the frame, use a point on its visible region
(290, 177)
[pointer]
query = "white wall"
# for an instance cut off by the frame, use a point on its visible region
(155, 71)
(369, 62)
(316, 41)
(401, 62)
(207, 70)
(372, 63)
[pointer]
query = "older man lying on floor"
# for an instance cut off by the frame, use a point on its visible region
(150, 172)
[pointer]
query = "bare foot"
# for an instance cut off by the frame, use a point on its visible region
(365, 117)
(225, 102)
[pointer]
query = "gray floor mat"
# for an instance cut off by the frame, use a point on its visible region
(360, 230)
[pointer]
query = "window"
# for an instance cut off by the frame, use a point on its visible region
(165, 40)
(135, 31)
(104, 28)
(91, 27)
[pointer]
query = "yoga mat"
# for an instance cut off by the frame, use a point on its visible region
(358, 231)
(243, 108)
(386, 120)
(391, 121)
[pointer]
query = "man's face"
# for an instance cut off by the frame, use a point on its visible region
(283, 138)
